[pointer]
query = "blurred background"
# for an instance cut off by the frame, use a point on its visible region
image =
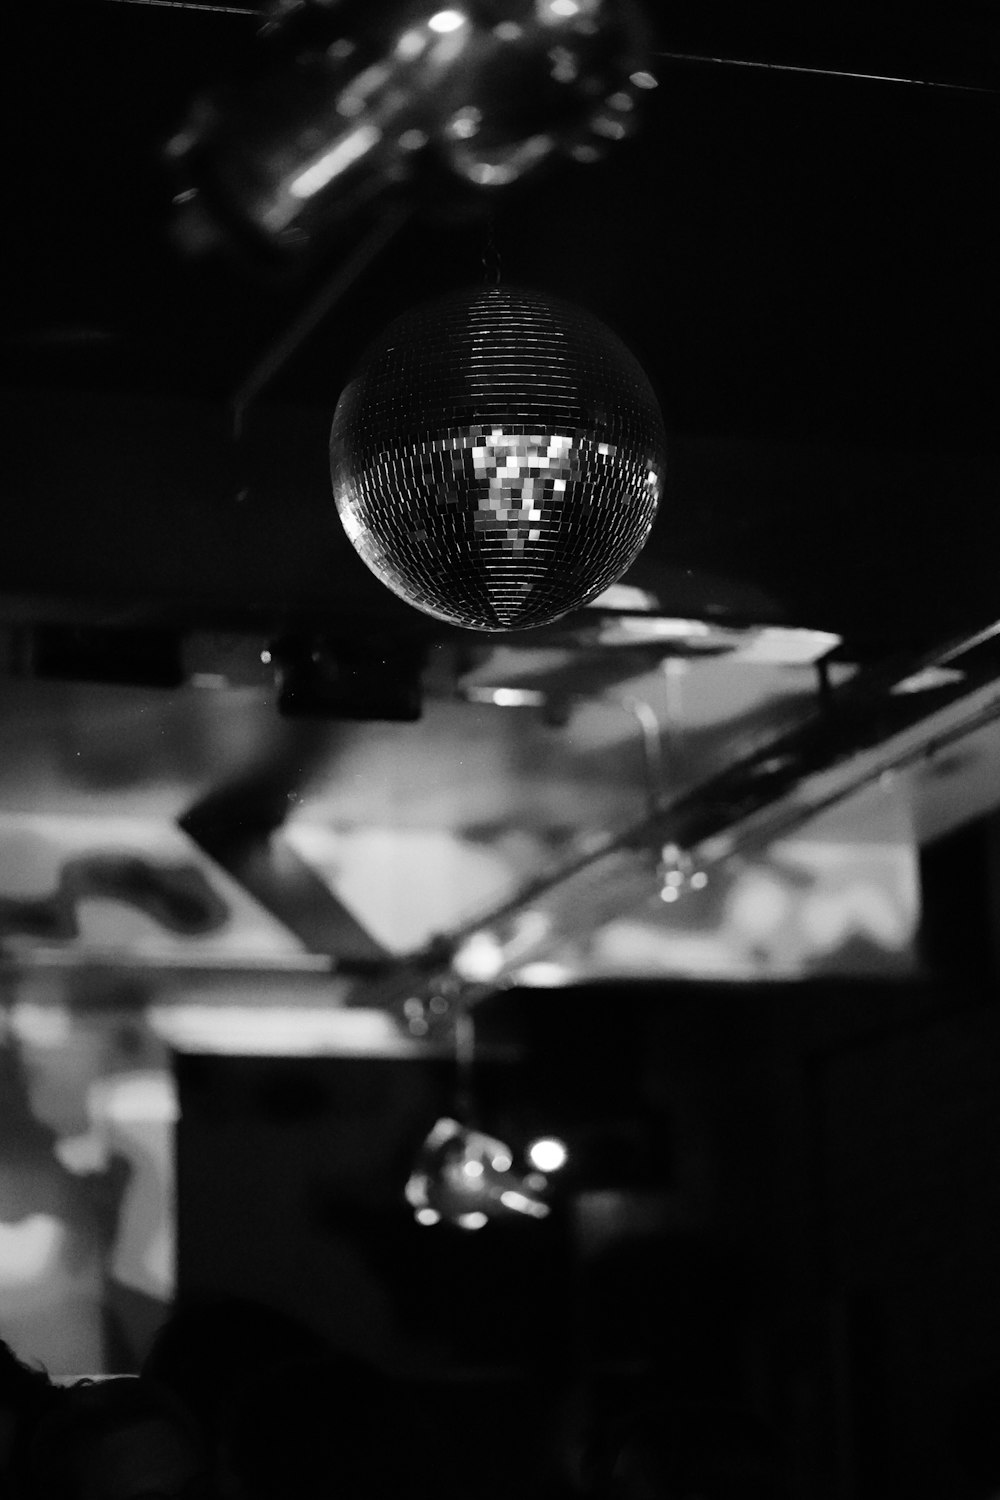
(701, 880)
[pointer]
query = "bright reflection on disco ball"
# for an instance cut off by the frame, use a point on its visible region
(498, 458)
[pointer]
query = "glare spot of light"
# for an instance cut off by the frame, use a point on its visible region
(506, 697)
(927, 679)
(413, 139)
(520, 1203)
(410, 44)
(416, 1193)
(446, 20)
(475, 1220)
(548, 1153)
(614, 130)
(480, 958)
(465, 123)
(543, 975)
(349, 149)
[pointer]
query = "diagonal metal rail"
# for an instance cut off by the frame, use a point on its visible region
(874, 724)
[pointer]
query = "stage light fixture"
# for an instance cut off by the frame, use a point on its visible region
(345, 107)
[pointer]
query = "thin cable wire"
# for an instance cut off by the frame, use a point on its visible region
(224, 10)
(491, 253)
(770, 67)
(652, 748)
(465, 1061)
(689, 57)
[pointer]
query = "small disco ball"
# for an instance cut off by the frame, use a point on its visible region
(497, 458)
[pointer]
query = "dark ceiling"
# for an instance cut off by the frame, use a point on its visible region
(804, 263)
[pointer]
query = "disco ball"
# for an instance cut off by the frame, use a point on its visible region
(464, 1177)
(497, 459)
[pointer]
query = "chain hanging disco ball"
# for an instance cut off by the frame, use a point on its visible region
(497, 459)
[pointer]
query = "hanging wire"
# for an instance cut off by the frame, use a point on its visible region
(686, 57)
(491, 254)
(225, 10)
(465, 1056)
(772, 67)
(188, 5)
